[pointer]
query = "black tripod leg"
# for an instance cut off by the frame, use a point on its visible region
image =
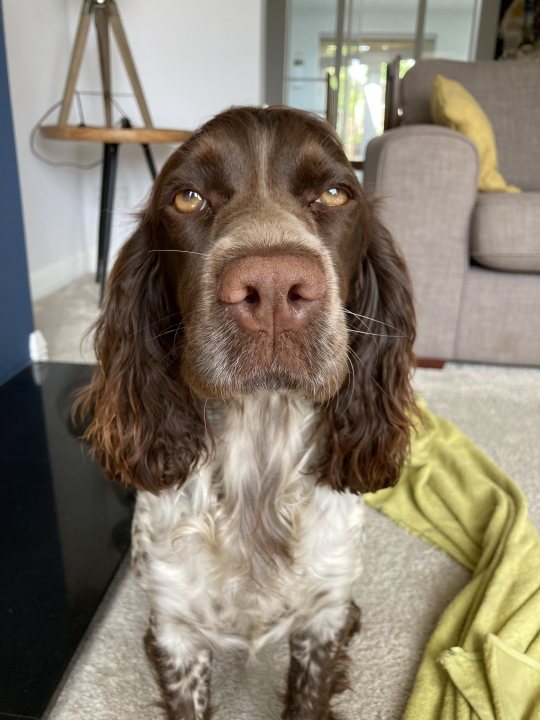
(110, 157)
(150, 161)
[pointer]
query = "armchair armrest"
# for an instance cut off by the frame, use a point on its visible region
(425, 178)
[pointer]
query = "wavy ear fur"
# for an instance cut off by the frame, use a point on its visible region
(145, 427)
(369, 421)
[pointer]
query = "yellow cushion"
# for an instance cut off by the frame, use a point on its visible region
(454, 107)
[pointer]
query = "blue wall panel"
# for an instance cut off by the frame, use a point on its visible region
(15, 305)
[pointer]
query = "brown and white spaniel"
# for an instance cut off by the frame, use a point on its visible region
(255, 349)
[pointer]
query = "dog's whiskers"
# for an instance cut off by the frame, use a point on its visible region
(174, 329)
(367, 332)
(149, 325)
(367, 317)
(176, 250)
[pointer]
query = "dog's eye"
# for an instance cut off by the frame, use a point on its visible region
(333, 197)
(189, 201)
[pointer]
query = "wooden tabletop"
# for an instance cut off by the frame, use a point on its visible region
(114, 135)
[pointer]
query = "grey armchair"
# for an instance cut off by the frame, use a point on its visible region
(474, 257)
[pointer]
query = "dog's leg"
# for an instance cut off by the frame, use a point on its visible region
(318, 667)
(183, 672)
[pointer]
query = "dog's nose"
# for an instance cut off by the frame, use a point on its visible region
(272, 294)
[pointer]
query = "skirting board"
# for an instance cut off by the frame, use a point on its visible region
(47, 280)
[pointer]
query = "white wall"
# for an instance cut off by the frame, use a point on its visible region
(193, 60)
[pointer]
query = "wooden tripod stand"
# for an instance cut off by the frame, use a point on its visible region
(105, 13)
(106, 17)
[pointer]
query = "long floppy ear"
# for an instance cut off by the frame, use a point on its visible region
(145, 426)
(369, 422)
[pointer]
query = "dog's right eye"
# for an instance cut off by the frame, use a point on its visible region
(333, 197)
(189, 201)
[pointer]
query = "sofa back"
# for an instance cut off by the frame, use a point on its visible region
(509, 93)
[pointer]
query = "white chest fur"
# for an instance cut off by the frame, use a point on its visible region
(250, 547)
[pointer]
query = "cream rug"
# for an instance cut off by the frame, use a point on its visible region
(405, 586)
(65, 317)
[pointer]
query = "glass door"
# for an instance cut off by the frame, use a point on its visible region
(306, 79)
(454, 27)
(337, 53)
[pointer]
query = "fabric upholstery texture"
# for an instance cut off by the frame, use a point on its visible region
(432, 234)
(454, 107)
(505, 232)
(499, 317)
(474, 257)
(509, 94)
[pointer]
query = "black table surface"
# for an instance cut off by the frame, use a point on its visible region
(64, 531)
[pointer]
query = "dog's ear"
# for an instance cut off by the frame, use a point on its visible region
(369, 420)
(145, 427)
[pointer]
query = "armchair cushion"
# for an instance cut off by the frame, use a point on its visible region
(509, 94)
(505, 232)
(454, 107)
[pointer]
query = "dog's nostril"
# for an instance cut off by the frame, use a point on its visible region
(306, 291)
(294, 294)
(252, 296)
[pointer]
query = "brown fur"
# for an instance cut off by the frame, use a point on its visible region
(369, 421)
(311, 684)
(178, 705)
(147, 397)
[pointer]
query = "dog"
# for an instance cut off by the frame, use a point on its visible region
(255, 354)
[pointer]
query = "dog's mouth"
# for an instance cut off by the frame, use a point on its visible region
(311, 364)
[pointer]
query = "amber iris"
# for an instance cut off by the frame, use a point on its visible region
(189, 201)
(333, 197)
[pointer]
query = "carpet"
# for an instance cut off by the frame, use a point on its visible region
(64, 317)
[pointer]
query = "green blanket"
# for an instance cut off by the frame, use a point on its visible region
(483, 660)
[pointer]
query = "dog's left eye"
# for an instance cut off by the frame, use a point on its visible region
(189, 201)
(333, 197)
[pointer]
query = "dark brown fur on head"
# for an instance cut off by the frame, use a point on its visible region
(165, 345)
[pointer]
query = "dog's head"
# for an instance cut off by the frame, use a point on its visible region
(258, 264)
